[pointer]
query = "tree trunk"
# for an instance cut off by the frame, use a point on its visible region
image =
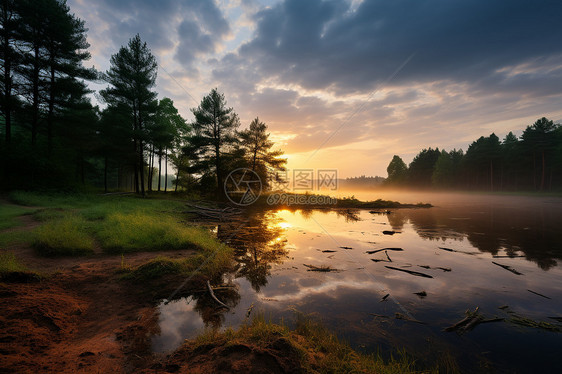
(105, 174)
(159, 167)
(35, 104)
(178, 178)
(166, 168)
(50, 114)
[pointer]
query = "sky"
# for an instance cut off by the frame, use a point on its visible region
(347, 84)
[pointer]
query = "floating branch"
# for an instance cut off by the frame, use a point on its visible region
(385, 297)
(322, 268)
(384, 249)
(346, 248)
(447, 249)
(508, 268)
(387, 256)
(471, 320)
(539, 294)
(214, 297)
(328, 251)
(421, 294)
(444, 269)
(416, 273)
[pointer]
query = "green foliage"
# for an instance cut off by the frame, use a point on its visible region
(533, 162)
(422, 166)
(214, 136)
(64, 236)
(397, 171)
(132, 232)
(258, 153)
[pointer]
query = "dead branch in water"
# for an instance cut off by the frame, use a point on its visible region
(508, 268)
(384, 249)
(322, 268)
(539, 294)
(214, 297)
(416, 273)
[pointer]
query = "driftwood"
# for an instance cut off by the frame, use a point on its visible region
(385, 297)
(421, 294)
(410, 272)
(539, 294)
(328, 251)
(508, 268)
(471, 320)
(346, 247)
(387, 256)
(214, 297)
(390, 232)
(384, 249)
(322, 268)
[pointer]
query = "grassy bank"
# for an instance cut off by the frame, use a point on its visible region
(308, 348)
(79, 224)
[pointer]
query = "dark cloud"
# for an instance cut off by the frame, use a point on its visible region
(323, 44)
(193, 28)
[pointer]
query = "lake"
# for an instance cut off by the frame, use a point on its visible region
(500, 254)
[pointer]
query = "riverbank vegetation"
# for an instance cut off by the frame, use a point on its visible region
(531, 162)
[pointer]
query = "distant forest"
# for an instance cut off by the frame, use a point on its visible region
(54, 138)
(532, 162)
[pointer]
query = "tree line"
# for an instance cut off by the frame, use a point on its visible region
(531, 162)
(54, 137)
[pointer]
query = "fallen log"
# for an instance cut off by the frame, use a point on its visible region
(508, 268)
(328, 251)
(385, 297)
(416, 273)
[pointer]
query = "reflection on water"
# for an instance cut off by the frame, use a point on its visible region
(273, 246)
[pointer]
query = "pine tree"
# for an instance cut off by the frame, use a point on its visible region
(132, 76)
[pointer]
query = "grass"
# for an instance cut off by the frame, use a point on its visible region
(9, 214)
(64, 236)
(72, 223)
(318, 350)
(208, 262)
(9, 263)
(11, 270)
(140, 231)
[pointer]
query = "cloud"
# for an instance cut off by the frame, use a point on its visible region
(325, 45)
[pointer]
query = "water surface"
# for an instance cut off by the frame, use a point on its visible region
(274, 247)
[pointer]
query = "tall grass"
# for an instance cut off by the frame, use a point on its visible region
(64, 236)
(131, 232)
